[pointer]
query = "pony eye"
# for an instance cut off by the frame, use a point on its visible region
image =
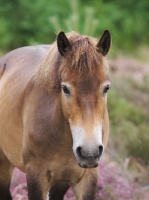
(65, 89)
(106, 88)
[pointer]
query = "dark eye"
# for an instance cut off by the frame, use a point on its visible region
(106, 88)
(65, 89)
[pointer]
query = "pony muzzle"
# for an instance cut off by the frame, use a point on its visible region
(87, 148)
(89, 159)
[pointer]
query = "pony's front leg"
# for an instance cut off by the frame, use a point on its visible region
(58, 191)
(38, 183)
(85, 189)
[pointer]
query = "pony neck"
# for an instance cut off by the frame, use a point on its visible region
(47, 74)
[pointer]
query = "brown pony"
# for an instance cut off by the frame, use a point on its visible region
(53, 117)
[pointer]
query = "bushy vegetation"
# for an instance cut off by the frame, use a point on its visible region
(25, 22)
(129, 118)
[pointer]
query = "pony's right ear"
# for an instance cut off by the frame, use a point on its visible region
(62, 43)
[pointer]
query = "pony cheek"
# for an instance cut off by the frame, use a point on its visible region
(66, 109)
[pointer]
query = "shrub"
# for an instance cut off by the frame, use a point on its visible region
(129, 133)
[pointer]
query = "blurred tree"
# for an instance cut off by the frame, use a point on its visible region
(25, 22)
(80, 19)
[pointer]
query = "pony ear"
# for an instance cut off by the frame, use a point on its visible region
(62, 43)
(104, 43)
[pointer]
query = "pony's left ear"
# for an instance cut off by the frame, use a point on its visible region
(62, 43)
(104, 43)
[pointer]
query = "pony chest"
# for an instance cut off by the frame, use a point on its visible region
(66, 171)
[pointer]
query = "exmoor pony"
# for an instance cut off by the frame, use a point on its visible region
(54, 122)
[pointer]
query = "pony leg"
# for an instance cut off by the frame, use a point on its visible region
(38, 184)
(58, 191)
(86, 188)
(6, 169)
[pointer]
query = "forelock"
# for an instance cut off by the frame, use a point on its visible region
(83, 58)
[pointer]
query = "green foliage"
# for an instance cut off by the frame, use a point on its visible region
(79, 20)
(25, 22)
(128, 122)
(121, 109)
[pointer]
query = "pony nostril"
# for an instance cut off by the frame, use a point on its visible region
(78, 150)
(100, 150)
(96, 154)
(81, 153)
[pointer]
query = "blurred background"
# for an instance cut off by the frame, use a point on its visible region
(25, 22)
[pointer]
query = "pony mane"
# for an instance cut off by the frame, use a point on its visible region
(81, 60)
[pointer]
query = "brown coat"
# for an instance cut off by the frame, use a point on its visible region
(53, 116)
